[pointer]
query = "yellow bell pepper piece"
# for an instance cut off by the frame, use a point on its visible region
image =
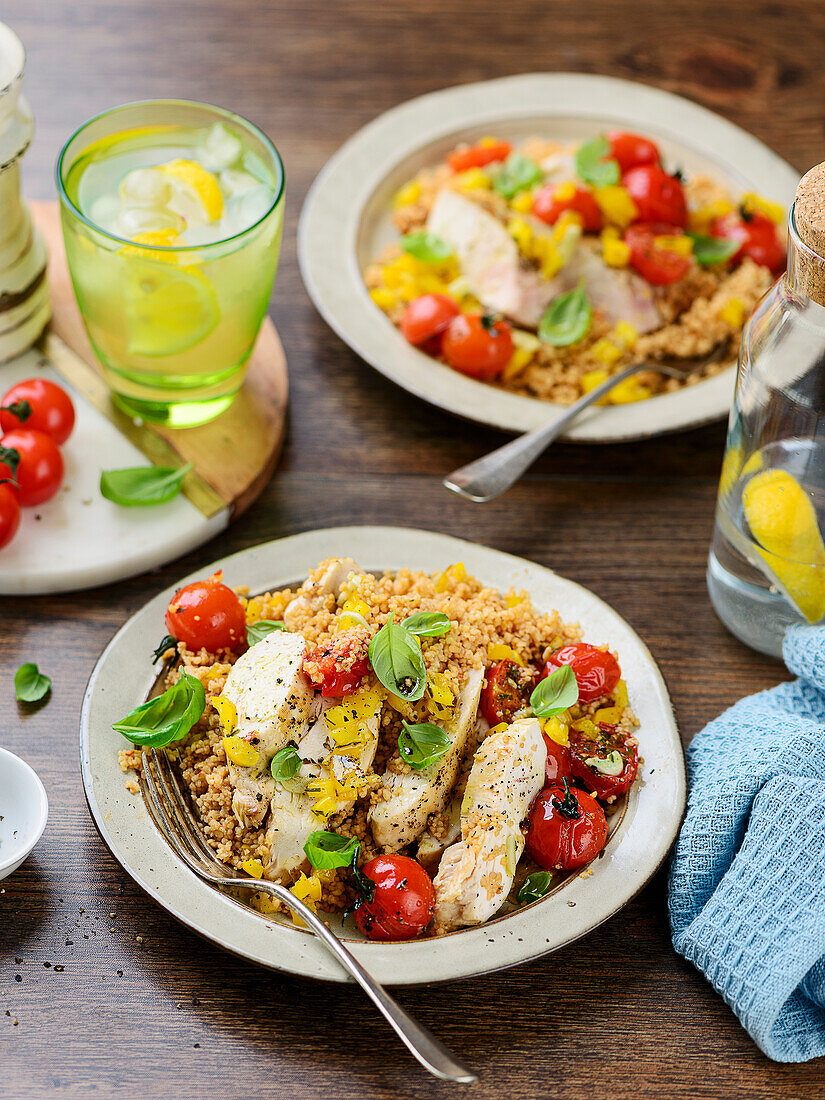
(521, 232)
(615, 253)
(587, 729)
(620, 694)
(440, 697)
(455, 572)
(500, 728)
(499, 652)
(671, 242)
(733, 313)
(240, 752)
(699, 220)
(518, 362)
(625, 334)
(253, 867)
(513, 598)
(606, 352)
(616, 205)
(522, 202)
(474, 179)
(625, 393)
(593, 378)
(383, 298)
(408, 194)
(565, 191)
(609, 715)
(557, 730)
(307, 890)
(758, 204)
(227, 713)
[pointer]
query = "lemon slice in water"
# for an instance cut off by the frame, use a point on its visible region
(170, 308)
(783, 522)
(196, 193)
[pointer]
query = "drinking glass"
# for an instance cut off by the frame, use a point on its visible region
(173, 327)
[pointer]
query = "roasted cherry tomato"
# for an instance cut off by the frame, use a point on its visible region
(477, 345)
(557, 767)
(549, 207)
(631, 150)
(207, 615)
(507, 688)
(757, 235)
(597, 672)
(397, 900)
(476, 156)
(41, 404)
(33, 461)
(338, 668)
(9, 514)
(427, 317)
(613, 750)
(566, 828)
(659, 266)
(658, 196)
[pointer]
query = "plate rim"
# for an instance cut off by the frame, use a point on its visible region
(435, 383)
(311, 960)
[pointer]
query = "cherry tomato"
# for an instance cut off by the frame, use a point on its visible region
(476, 345)
(338, 668)
(50, 408)
(758, 236)
(557, 767)
(427, 317)
(550, 208)
(507, 688)
(597, 672)
(610, 740)
(207, 615)
(39, 471)
(476, 156)
(658, 196)
(631, 150)
(402, 901)
(9, 514)
(659, 266)
(566, 828)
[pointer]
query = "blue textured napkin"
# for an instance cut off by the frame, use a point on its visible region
(747, 881)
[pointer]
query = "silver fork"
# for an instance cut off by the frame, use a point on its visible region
(171, 812)
(494, 473)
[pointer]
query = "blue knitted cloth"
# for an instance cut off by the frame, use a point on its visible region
(747, 880)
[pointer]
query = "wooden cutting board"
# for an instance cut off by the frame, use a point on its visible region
(233, 456)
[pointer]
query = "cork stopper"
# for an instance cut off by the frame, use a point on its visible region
(809, 218)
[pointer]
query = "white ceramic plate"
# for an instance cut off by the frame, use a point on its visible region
(123, 676)
(346, 222)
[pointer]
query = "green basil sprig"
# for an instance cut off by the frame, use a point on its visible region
(427, 624)
(427, 247)
(326, 850)
(142, 486)
(593, 164)
(285, 764)
(535, 886)
(517, 173)
(555, 693)
(712, 250)
(567, 318)
(422, 743)
(256, 632)
(166, 718)
(167, 642)
(30, 685)
(395, 656)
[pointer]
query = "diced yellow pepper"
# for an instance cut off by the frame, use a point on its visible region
(522, 202)
(307, 890)
(593, 378)
(609, 715)
(500, 728)
(518, 362)
(227, 713)
(487, 142)
(615, 253)
(474, 179)
(565, 220)
(565, 191)
(253, 867)
(499, 652)
(440, 697)
(609, 233)
(606, 352)
(758, 204)
(699, 220)
(240, 752)
(673, 242)
(455, 572)
(620, 694)
(625, 393)
(616, 205)
(408, 194)
(733, 312)
(384, 299)
(254, 607)
(549, 257)
(513, 598)
(625, 334)
(557, 730)
(587, 729)
(520, 231)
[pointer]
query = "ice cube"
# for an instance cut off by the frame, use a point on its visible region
(132, 220)
(220, 149)
(145, 187)
(235, 182)
(104, 212)
(248, 208)
(203, 234)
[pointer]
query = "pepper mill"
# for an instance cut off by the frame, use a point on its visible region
(24, 293)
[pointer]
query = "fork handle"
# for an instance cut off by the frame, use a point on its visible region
(489, 476)
(420, 1042)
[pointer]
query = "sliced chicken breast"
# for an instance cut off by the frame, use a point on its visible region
(616, 293)
(251, 795)
(313, 594)
(476, 873)
(401, 818)
(291, 821)
(431, 847)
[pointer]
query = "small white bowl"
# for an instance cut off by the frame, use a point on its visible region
(24, 810)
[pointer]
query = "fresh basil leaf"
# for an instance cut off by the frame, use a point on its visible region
(30, 684)
(516, 174)
(567, 318)
(395, 656)
(427, 624)
(712, 250)
(535, 886)
(426, 247)
(555, 693)
(593, 165)
(326, 850)
(256, 632)
(167, 643)
(166, 718)
(143, 485)
(422, 743)
(286, 763)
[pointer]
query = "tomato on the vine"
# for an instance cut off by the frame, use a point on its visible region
(397, 899)
(9, 514)
(597, 671)
(658, 196)
(566, 828)
(607, 767)
(631, 150)
(40, 404)
(659, 266)
(207, 615)
(478, 156)
(548, 206)
(477, 345)
(507, 688)
(32, 460)
(426, 317)
(337, 668)
(757, 237)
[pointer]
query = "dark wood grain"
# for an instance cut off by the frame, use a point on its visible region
(143, 1006)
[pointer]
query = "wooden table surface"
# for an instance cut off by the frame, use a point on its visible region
(140, 1004)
